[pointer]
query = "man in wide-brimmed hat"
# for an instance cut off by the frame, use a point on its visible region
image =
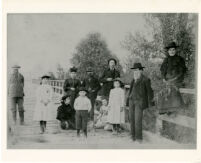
(71, 85)
(16, 94)
(108, 75)
(140, 97)
(91, 83)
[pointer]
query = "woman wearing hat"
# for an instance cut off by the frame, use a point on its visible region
(108, 76)
(172, 70)
(42, 112)
(140, 97)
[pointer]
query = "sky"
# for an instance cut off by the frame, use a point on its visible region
(38, 42)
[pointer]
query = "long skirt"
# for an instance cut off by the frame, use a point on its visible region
(169, 100)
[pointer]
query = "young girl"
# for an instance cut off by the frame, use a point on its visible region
(66, 114)
(116, 106)
(102, 117)
(44, 105)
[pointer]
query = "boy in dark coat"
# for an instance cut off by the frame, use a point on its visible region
(92, 85)
(66, 114)
(108, 76)
(140, 97)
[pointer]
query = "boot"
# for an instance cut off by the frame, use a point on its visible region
(41, 127)
(21, 114)
(44, 125)
(85, 133)
(14, 115)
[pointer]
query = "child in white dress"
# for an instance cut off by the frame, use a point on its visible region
(42, 112)
(116, 105)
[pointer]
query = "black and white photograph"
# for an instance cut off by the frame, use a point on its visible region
(102, 80)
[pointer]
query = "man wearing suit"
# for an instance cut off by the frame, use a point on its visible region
(71, 85)
(92, 85)
(140, 97)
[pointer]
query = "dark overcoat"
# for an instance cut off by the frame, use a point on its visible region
(72, 83)
(108, 85)
(141, 92)
(16, 85)
(173, 67)
(140, 97)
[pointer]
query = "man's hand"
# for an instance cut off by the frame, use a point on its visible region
(109, 79)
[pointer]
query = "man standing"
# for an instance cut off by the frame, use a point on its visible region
(71, 85)
(140, 97)
(16, 94)
(92, 85)
(108, 76)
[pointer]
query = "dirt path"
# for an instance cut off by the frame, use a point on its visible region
(27, 136)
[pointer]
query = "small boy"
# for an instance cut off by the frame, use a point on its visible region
(82, 106)
(66, 114)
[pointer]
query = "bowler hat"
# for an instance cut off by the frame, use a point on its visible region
(45, 76)
(112, 59)
(16, 66)
(137, 66)
(89, 69)
(171, 45)
(73, 69)
(83, 89)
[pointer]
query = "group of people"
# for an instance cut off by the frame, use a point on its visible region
(78, 103)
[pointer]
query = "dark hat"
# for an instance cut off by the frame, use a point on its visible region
(45, 76)
(65, 97)
(89, 69)
(16, 66)
(171, 45)
(137, 66)
(112, 59)
(73, 69)
(83, 89)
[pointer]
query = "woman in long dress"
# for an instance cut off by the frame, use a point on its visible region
(116, 106)
(44, 94)
(173, 70)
